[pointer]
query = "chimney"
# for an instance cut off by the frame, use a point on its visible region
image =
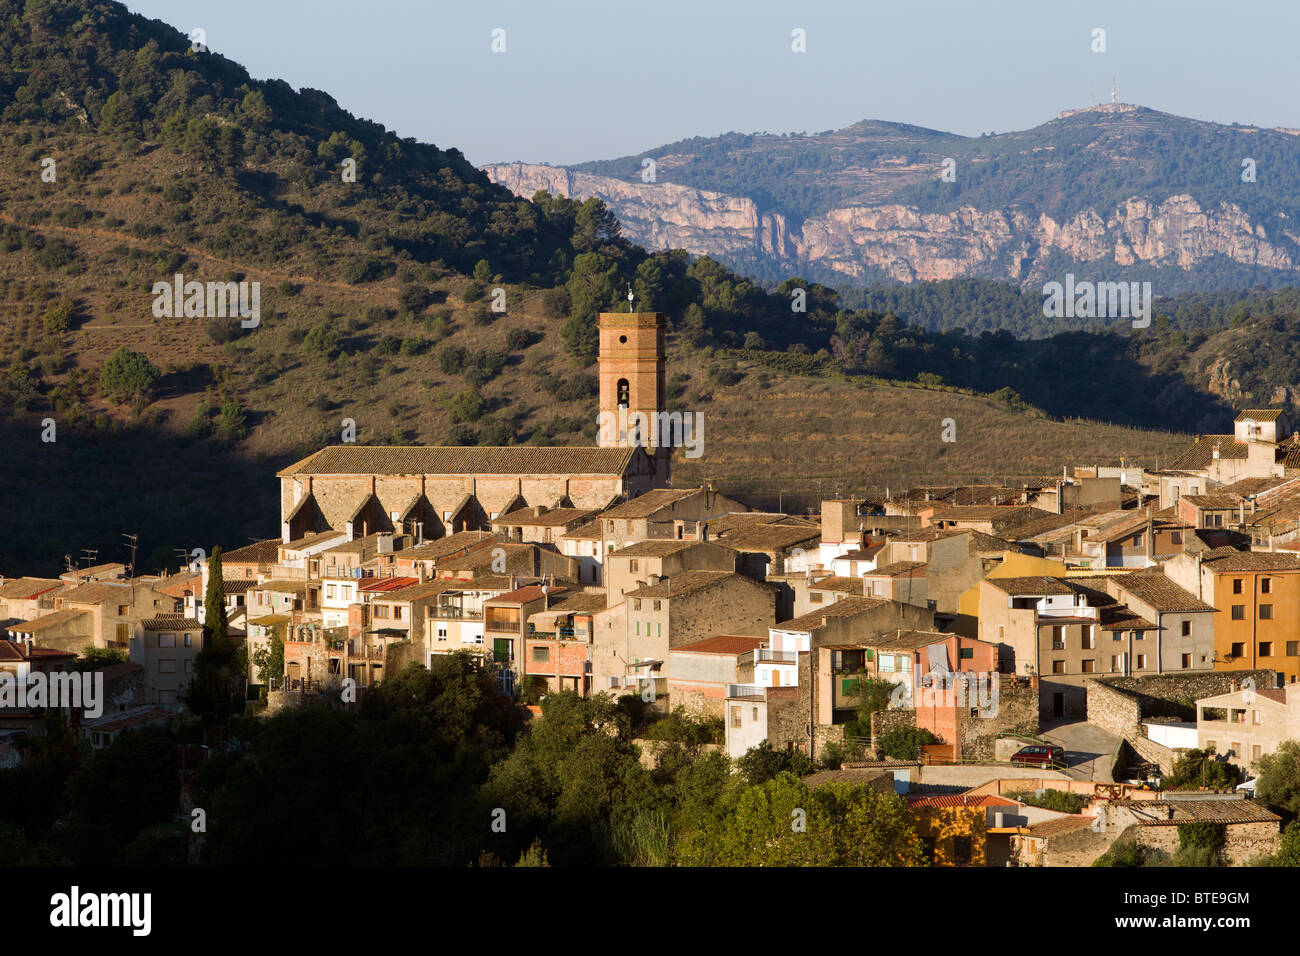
(539, 510)
(654, 579)
(419, 532)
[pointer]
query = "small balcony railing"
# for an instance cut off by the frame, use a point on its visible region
(745, 690)
(777, 657)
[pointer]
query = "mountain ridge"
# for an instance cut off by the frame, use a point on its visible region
(1107, 191)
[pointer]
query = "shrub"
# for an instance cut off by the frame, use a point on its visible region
(466, 405)
(519, 339)
(905, 743)
(452, 360)
(1060, 800)
(128, 376)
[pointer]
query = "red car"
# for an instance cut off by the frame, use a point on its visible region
(1039, 756)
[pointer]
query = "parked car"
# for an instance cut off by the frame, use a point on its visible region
(1039, 756)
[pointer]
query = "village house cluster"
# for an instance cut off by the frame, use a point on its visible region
(1161, 608)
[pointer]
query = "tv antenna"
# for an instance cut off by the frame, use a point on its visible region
(131, 542)
(630, 297)
(90, 556)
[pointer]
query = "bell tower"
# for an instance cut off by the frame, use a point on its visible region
(631, 363)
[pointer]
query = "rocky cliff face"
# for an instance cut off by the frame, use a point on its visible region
(902, 243)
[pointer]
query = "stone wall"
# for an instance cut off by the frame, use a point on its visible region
(886, 720)
(1244, 841)
(1017, 713)
(1119, 704)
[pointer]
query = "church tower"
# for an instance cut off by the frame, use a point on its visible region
(632, 388)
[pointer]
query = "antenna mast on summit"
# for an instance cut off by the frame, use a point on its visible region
(1114, 93)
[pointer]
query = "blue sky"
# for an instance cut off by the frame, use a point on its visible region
(584, 79)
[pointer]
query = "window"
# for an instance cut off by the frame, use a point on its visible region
(381, 610)
(636, 604)
(1265, 648)
(967, 653)
(1114, 665)
(1087, 637)
(1292, 648)
(1254, 752)
(1139, 635)
(657, 605)
(442, 633)
(1175, 537)
(755, 713)
(1058, 667)
(633, 566)
(330, 591)
(189, 639)
(397, 612)
(1236, 585)
(1117, 635)
(542, 654)
(1187, 628)
(1265, 585)
(1089, 666)
(1187, 660)
(1141, 661)
(659, 629)
(1002, 631)
(1255, 718)
(1239, 612)
(123, 610)
(1266, 612)
(189, 667)
(167, 667)
(735, 716)
(166, 640)
(814, 597)
(637, 628)
(613, 683)
(1238, 649)
(961, 850)
(1137, 540)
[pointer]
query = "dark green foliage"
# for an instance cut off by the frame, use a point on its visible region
(128, 376)
(1278, 784)
(763, 763)
(1061, 800)
(905, 743)
(1199, 768)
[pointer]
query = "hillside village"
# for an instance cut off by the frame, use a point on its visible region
(1082, 633)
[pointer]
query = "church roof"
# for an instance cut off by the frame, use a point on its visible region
(461, 460)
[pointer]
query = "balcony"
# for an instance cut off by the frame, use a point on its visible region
(745, 690)
(452, 613)
(776, 657)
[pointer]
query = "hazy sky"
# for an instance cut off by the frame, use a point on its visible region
(586, 79)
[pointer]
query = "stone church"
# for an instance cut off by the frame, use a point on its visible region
(432, 491)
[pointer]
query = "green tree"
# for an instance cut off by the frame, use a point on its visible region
(1278, 784)
(783, 822)
(593, 287)
(128, 377)
(215, 621)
